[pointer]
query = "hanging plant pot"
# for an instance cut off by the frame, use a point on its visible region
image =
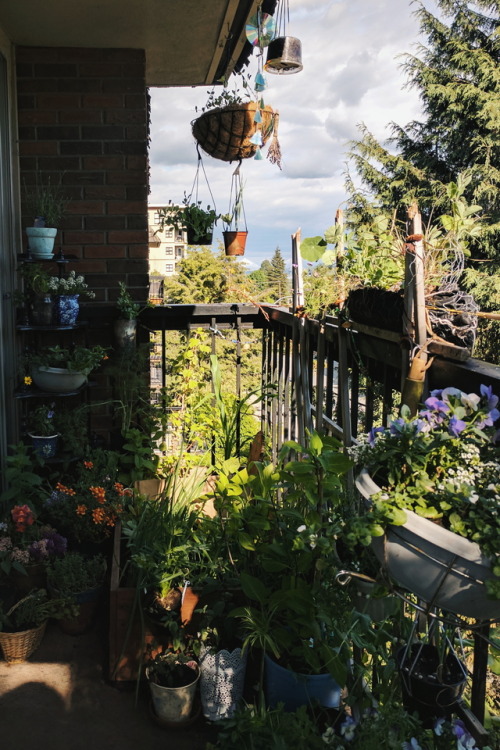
(194, 239)
(451, 569)
(41, 242)
(225, 132)
(284, 56)
(429, 687)
(235, 242)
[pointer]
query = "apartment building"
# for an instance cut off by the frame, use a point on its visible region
(167, 246)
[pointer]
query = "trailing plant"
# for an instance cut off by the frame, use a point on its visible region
(42, 421)
(31, 611)
(190, 217)
(77, 359)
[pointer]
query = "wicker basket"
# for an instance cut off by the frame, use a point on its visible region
(18, 646)
(225, 132)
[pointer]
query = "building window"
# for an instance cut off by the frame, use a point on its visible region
(169, 251)
(169, 268)
(178, 252)
(169, 232)
(157, 217)
(179, 237)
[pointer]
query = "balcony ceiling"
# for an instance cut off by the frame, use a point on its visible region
(187, 42)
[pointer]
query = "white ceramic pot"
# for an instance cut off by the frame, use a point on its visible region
(125, 332)
(57, 379)
(440, 567)
(41, 242)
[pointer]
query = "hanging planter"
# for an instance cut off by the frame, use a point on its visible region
(284, 56)
(452, 571)
(225, 132)
(234, 243)
(294, 689)
(234, 237)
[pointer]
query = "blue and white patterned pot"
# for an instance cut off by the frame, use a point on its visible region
(66, 309)
(44, 447)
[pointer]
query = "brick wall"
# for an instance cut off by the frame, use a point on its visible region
(83, 121)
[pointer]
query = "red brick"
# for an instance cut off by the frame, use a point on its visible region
(58, 101)
(139, 252)
(83, 238)
(96, 192)
(127, 178)
(36, 86)
(79, 54)
(55, 70)
(103, 162)
(99, 70)
(137, 162)
(37, 117)
(125, 116)
(127, 207)
(102, 101)
(128, 237)
(106, 223)
(86, 207)
(58, 164)
(92, 266)
(137, 132)
(81, 116)
(105, 251)
(37, 147)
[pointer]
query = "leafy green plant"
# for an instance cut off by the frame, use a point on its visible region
(77, 359)
(128, 309)
(197, 221)
(75, 573)
(30, 611)
(170, 669)
(22, 482)
(42, 421)
(46, 201)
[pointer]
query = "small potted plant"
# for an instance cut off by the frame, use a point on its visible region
(23, 623)
(79, 579)
(37, 293)
(173, 678)
(126, 325)
(234, 237)
(66, 292)
(198, 222)
(59, 369)
(43, 431)
(47, 204)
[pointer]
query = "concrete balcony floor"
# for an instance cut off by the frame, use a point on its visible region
(60, 699)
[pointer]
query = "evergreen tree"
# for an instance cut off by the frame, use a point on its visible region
(279, 282)
(457, 78)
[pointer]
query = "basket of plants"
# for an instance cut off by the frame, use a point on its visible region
(226, 132)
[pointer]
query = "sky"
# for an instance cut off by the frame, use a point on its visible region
(351, 74)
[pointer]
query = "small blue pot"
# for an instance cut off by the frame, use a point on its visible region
(45, 447)
(66, 309)
(294, 689)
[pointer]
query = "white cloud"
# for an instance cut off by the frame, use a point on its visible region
(351, 75)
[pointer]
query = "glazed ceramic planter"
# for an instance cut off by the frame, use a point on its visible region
(66, 309)
(45, 446)
(58, 379)
(125, 333)
(41, 242)
(294, 689)
(443, 569)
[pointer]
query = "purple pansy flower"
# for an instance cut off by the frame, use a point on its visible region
(487, 393)
(456, 426)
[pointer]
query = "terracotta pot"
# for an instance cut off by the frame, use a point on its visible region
(234, 242)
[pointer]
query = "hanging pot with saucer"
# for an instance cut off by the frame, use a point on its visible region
(284, 56)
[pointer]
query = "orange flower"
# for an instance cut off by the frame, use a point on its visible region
(98, 515)
(99, 493)
(88, 464)
(81, 510)
(67, 490)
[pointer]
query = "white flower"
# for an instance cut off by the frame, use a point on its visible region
(328, 736)
(301, 528)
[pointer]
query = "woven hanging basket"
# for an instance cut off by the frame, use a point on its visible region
(18, 646)
(225, 132)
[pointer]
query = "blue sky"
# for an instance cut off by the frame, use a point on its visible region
(351, 75)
